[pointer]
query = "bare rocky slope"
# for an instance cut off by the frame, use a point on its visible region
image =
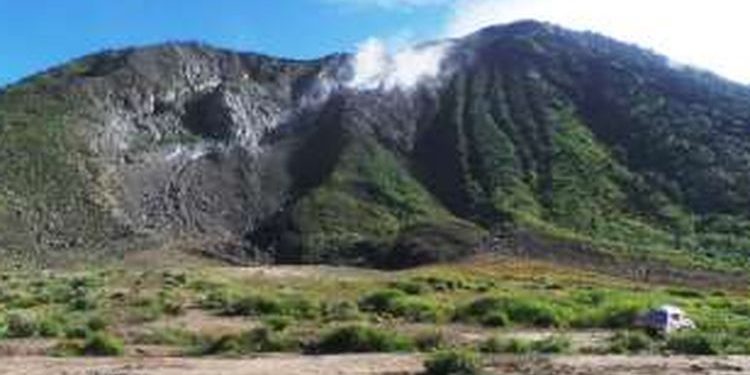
(529, 128)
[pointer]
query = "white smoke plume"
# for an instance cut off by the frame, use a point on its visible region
(375, 68)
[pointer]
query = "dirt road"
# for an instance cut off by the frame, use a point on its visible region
(374, 364)
(370, 364)
(620, 365)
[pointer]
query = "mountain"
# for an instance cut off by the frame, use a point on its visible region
(530, 134)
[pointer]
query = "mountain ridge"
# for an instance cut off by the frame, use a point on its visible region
(527, 128)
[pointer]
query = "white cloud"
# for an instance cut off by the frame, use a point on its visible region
(705, 33)
(710, 34)
(375, 67)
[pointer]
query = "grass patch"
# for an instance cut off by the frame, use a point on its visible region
(231, 303)
(631, 342)
(98, 344)
(395, 303)
(693, 343)
(498, 345)
(258, 340)
(519, 310)
(362, 339)
(453, 362)
(21, 324)
(618, 314)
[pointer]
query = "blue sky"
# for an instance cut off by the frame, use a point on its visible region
(37, 34)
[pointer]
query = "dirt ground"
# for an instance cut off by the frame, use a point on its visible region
(620, 365)
(373, 364)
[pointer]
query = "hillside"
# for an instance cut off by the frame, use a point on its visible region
(530, 135)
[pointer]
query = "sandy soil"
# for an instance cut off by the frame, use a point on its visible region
(25, 347)
(202, 322)
(621, 365)
(374, 364)
(304, 272)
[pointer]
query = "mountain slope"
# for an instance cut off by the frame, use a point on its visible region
(529, 129)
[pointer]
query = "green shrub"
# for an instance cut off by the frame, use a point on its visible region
(82, 325)
(733, 344)
(18, 300)
(630, 342)
(260, 305)
(145, 309)
(361, 339)
(495, 319)
(67, 348)
(618, 314)
(300, 306)
(21, 324)
(171, 303)
(278, 322)
(593, 297)
(226, 344)
(341, 311)
(416, 309)
(380, 301)
(442, 284)
(552, 345)
(149, 308)
(694, 343)
(429, 340)
(685, 293)
(216, 298)
(101, 344)
(453, 362)
(549, 345)
(537, 314)
(76, 332)
(398, 304)
(506, 346)
(170, 336)
(80, 298)
(412, 287)
(174, 279)
(479, 308)
(520, 310)
(96, 323)
(50, 326)
(262, 339)
(258, 340)
(253, 305)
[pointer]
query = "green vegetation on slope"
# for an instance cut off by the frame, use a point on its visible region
(578, 137)
(47, 197)
(370, 207)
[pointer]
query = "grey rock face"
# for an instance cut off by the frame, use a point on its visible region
(178, 131)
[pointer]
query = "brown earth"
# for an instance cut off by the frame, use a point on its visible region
(379, 364)
(620, 365)
(374, 364)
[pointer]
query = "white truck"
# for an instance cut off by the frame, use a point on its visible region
(665, 319)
